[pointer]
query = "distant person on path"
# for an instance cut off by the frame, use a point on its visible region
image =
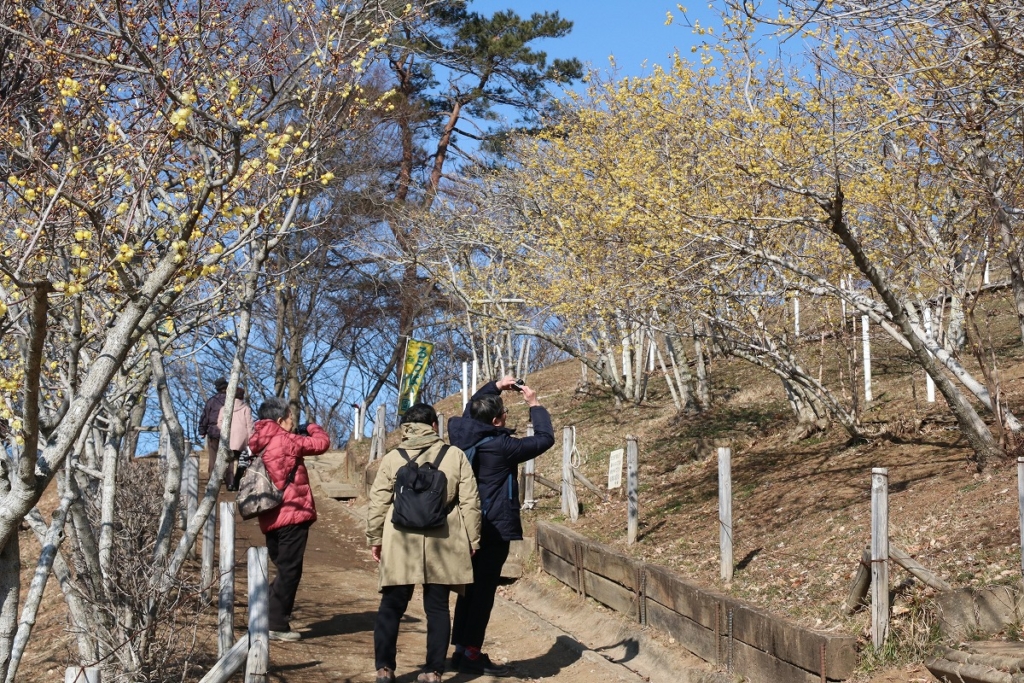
(209, 425)
(241, 430)
(495, 462)
(438, 558)
(286, 526)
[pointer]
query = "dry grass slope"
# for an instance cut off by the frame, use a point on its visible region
(801, 509)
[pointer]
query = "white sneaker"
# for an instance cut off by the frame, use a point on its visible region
(289, 636)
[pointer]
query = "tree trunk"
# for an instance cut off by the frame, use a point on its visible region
(86, 628)
(811, 415)
(626, 335)
(972, 426)
(956, 334)
(135, 419)
(175, 458)
(1012, 251)
(281, 323)
(10, 585)
(680, 368)
(50, 543)
(703, 390)
(139, 313)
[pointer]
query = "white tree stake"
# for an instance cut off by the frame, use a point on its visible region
(226, 595)
(929, 382)
(259, 617)
(796, 316)
(867, 358)
(633, 489)
(1020, 506)
(725, 511)
(82, 674)
(570, 503)
(530, 473)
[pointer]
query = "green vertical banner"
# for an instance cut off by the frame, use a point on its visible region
(417, 357)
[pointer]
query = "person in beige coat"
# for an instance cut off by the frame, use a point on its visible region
(438, 559)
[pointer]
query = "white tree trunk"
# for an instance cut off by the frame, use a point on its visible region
(50, 544)
(10, 588)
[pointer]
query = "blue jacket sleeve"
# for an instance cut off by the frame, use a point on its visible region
(491, 388)
(543, 438)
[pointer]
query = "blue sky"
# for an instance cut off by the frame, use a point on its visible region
(631, 30)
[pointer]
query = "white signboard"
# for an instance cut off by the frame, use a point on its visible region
(615, 469)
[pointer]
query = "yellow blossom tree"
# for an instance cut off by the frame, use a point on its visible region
(152, 156)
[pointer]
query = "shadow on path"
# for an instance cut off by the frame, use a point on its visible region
(340, 624)
(562, 654)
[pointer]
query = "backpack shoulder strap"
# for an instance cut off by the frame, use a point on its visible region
(440, 456)
(404, 454)
(471, 451)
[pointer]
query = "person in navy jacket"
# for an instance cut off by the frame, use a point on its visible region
(496, 456)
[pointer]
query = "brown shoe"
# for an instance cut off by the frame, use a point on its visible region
(429, 677)
(385, 675)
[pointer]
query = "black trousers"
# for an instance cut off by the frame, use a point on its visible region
(286, 547)
(473, 610)
(393, 602)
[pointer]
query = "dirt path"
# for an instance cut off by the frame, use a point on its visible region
(337, 602)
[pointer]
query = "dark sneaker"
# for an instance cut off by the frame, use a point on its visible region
(287, 636)
(385, 675)
(483, 665)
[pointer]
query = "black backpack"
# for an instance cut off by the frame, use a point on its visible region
(420, 492)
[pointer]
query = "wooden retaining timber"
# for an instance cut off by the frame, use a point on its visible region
(716, 627)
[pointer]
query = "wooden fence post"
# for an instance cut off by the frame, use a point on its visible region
(206, 569)
(226, 594)
(633, 485)
(725, 511)
(259, 618)
(867, 357)
(879, 555)
(465, 385)
(440, 425)
(476, 374)
(357, 432)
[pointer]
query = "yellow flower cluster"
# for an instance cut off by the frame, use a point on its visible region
(179, 119)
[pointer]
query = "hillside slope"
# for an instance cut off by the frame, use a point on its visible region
(801, 509)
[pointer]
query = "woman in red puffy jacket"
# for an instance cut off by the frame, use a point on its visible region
(286, 526)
